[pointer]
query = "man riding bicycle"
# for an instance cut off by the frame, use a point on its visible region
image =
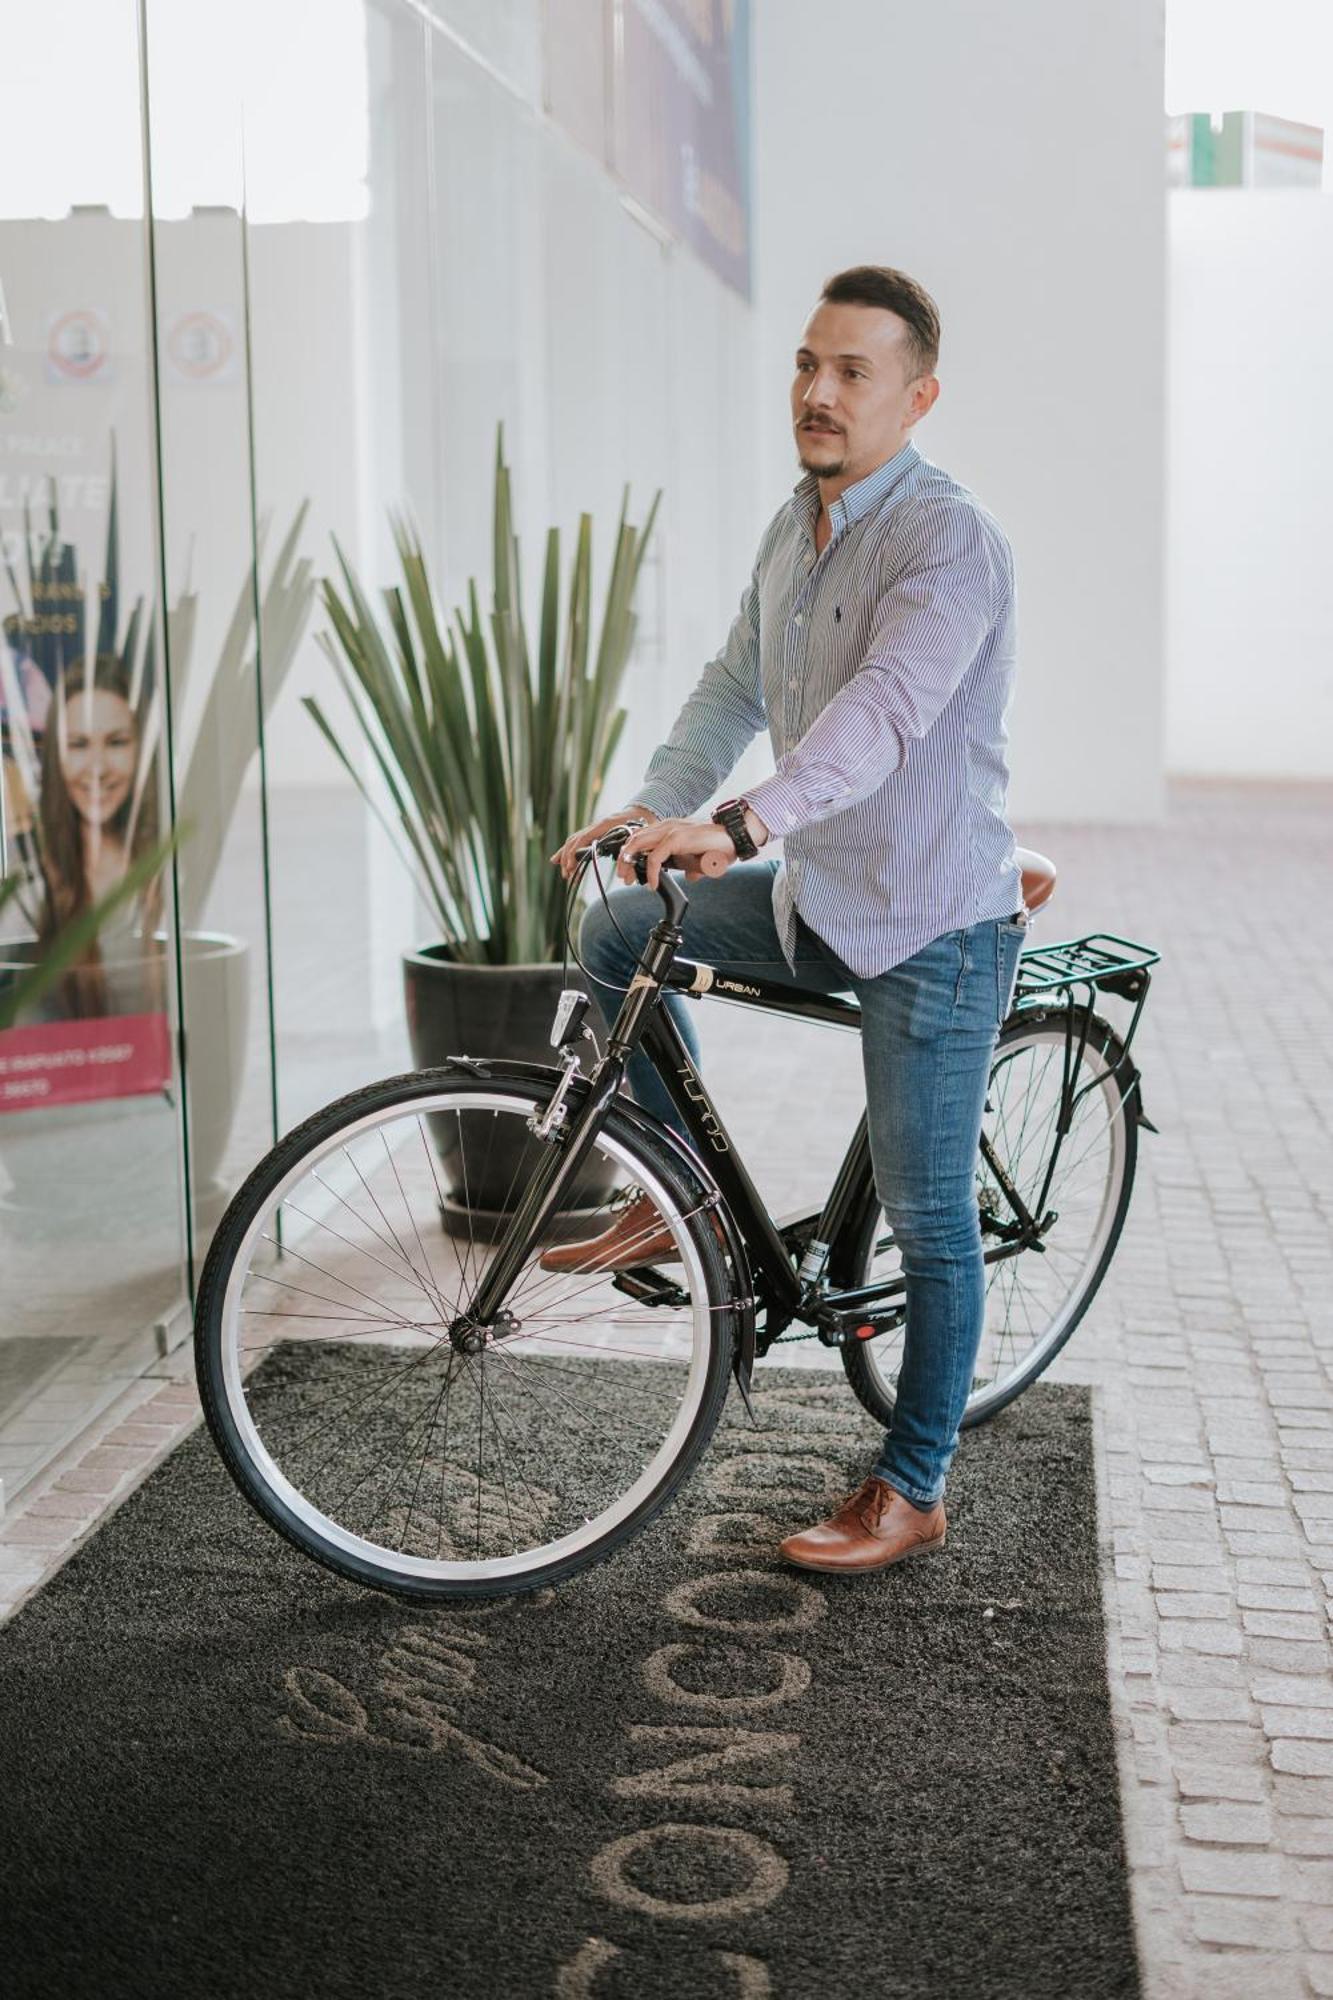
(875, 641)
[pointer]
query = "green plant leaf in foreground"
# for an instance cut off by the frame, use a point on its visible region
(70, 943)
(489, 750)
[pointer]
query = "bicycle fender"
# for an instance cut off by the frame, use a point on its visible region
(1140, 1114)
(743, 1357)
(1134, 1089)
(742, 1361)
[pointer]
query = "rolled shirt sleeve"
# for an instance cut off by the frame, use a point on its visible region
(930, 625)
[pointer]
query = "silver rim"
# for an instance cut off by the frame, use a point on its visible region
(1031, 1298)
(516, 1459)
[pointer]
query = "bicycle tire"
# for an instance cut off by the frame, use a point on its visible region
(864, 1369)
(311, 1140)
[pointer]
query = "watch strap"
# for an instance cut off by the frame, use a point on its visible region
(730, 816)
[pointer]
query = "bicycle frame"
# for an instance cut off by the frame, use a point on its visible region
(766, 1270)
(785, 1291)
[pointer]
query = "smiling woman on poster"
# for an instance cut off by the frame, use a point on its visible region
(98, 813)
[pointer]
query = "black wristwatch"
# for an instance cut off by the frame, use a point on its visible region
(730, 816)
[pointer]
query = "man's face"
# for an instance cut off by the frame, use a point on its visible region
(852, 399)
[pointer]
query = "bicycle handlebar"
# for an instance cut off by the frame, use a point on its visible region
(610, 844)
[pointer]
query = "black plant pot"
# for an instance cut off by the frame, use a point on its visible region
(497, 1011)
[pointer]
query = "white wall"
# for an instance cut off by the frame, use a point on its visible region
(1250, 519)
(1011, 159)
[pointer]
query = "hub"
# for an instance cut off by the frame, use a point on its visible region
(470, 1336)
(466, 1337)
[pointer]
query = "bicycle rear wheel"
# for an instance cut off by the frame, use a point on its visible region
(1036, 1297)
(364, 1433)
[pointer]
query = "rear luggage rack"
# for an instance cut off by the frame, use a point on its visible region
(1101, 963)
(1100, 960)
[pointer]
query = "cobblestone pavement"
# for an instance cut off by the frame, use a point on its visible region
(1209, 1346)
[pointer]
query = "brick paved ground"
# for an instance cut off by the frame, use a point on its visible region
(1210, 1349)
(1211, 1345)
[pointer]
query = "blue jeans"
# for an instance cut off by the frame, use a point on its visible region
(928, 1034)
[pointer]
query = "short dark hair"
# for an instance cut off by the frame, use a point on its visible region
(895, 292)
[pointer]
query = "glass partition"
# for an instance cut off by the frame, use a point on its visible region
(92, 1238)
(362, 253)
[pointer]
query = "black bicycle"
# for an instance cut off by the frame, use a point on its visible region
(397, 1385)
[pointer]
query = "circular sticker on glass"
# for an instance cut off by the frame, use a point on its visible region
(201, 347)
(78, 345)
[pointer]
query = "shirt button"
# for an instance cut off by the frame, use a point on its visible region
(792, 686)
(799, 619)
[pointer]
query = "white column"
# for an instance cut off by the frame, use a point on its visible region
(1012, 160)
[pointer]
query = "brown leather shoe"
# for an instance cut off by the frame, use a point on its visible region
(876, 1527)
(637, 1236)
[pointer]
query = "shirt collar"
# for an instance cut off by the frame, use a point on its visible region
(855, 502)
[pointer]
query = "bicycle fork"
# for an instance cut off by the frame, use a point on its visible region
(559, 1165)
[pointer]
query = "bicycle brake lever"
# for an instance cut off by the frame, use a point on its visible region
(611, 842)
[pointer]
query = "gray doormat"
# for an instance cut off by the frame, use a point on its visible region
(691, 1771)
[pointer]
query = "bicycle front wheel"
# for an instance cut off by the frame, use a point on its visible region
(381, 1446)
(1034, 1297)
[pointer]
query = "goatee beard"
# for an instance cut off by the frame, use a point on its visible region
(824, 469)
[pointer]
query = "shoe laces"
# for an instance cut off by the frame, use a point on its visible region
(622, 1198)
(872, 1500)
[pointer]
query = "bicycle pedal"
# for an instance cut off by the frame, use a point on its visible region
(851, 1328)
(649, 1287)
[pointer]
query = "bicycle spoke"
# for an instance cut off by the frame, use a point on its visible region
(428, 1283)
(393, 1234)
(536, 1509)
(441, 1394)
(338, 1237)
(298, 1291)
(288, 1251)
(416, 1422)
(367, 1400)
(566, 1402)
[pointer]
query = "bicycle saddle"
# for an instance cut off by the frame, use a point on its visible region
(1038, 877)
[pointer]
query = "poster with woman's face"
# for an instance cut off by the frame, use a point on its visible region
(80, 728)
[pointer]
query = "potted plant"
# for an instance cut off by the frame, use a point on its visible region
(490, 750)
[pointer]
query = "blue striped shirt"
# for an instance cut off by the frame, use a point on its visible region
(883, 669)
